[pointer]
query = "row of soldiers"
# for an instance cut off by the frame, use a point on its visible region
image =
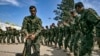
(75, 34)
(66, 34)
(11, 35)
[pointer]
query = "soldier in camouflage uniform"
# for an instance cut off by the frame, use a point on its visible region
(9, 34)
(98, 34)
(16, 35)
(1, 31)
(72, 28)
(55, 36)
(60, 37)
(42, 34)
(87, 22)
(12, 35)
(22, 33)
(32, 26)
(78, 34)
(52, 33)
(46, 39)
(4, 36)
(67, 34)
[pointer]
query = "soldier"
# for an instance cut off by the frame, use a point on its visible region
(46, 39)
(42, 34)
(16, 35)
(98, 34)
(87, 22)
(22, 36)
(67, 34)
(60, 38)
(4, 36)
(32, 26)
(47, 36)
(52, 33)
(72, 28)
(9, 33)
(55, 33)
(77, 36)
(1, 31)
(12, 35)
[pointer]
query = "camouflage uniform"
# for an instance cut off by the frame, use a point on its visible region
(4, 36)
(60, 38)
(87, 21)
(67, 35)
(32, 24)
(72, 28)
(10, 35)
(47, 36)
(22, 36)
(55, 36)
(42, 34)
(98, 33)
(78, 36)
(52, 33)
(17, 35)
(1, 31)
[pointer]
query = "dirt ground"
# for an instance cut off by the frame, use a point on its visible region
(13, 49)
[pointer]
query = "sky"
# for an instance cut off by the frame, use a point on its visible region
(14, 11)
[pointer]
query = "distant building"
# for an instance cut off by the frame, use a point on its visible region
(4, 25)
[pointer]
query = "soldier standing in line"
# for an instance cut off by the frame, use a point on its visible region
(12, 35)
(98, 36)
(87, 21)
(16, 35)
(55, 36)
(9, 33)
(67, 34)
(46, 36)
(60, 38)
(42, 36)
(78, 34)
(22, 33)
(4, 36)
(1, 31)
(52, 33)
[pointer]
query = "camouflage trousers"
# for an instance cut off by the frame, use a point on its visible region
(98, 36)
(0, 39)
(35, 44)
(17, 37)
(72, 42)
(22, 38)
(86, 45)
(67, 40)
(76, 43)
(10, 37)
(60, 40)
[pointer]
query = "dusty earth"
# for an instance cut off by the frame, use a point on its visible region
(13, 49)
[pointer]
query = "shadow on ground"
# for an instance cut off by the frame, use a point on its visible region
(55, 52)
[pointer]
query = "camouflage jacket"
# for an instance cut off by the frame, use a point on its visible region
(32, 25)
(88, 20)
